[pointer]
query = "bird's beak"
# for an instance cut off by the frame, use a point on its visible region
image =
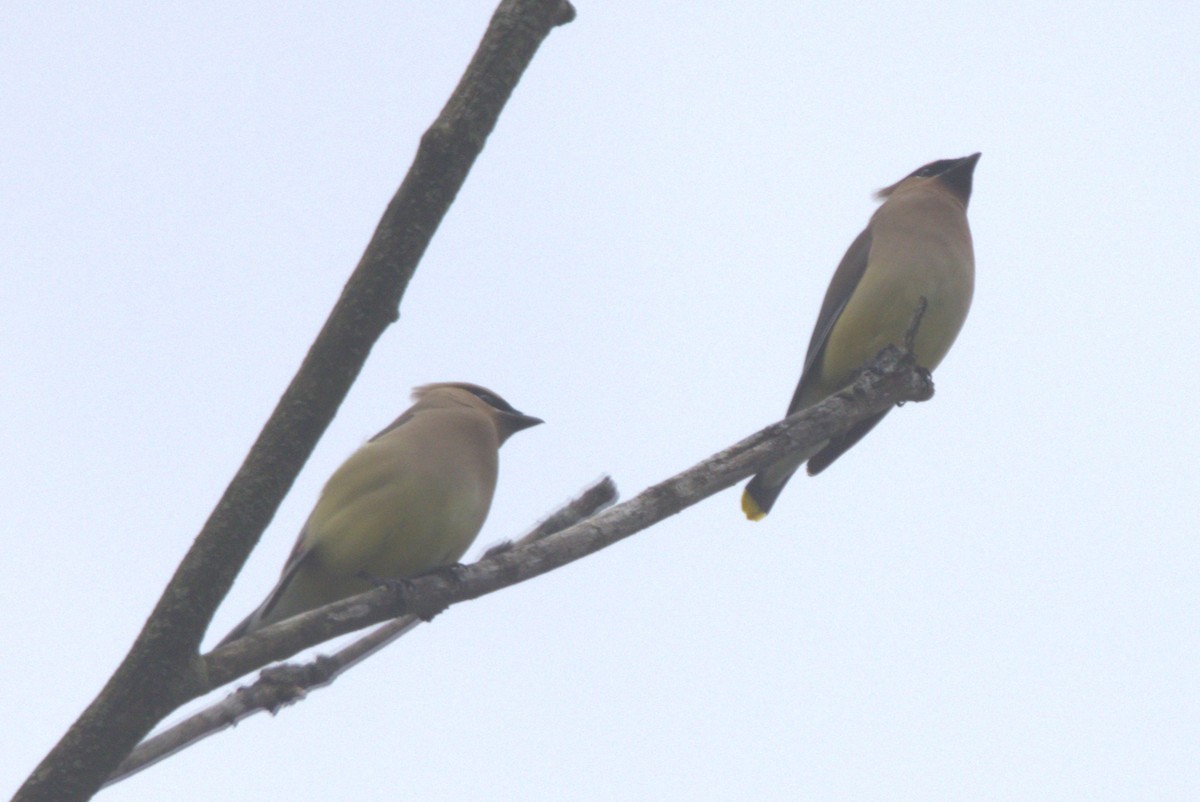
(959, 176)
(966, 163)
(519, 420)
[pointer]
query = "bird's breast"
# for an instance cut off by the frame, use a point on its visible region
(397, 511)
(912, 256)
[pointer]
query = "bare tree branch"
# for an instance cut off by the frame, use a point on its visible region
(892, 378)
(282, 685)
(162, 669)
(568, 535)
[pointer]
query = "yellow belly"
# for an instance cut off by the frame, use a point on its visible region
(881, 308)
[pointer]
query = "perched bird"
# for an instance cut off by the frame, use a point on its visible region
(916, 245)
(413, 498)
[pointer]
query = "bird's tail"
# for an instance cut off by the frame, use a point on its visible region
(759, 496)
(761, 491)
(248, 625)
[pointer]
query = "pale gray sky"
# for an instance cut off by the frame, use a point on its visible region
(993, 597)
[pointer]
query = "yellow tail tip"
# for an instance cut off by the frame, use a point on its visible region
(751, 508)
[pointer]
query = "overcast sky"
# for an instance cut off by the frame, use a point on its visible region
(992, 597)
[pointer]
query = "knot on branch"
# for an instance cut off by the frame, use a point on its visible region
(897, 366)
(443, 140)
(277, 687)
(564, 14)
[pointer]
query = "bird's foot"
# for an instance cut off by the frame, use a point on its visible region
(411, 599)
(452, 573)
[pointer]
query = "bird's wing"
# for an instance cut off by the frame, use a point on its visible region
(259, 613)
(394, 425)
(840, 445)
(845, 279)
(303, 548)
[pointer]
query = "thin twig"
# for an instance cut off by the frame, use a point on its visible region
(910, 336)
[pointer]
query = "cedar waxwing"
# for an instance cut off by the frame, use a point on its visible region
(413, 498)
(916, 245)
